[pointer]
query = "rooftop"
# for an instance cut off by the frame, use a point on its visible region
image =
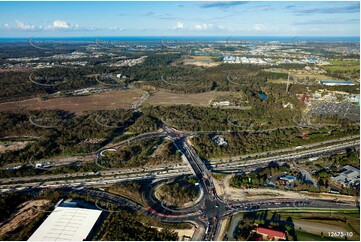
(67, 224)
(271, 233)
(351, 175)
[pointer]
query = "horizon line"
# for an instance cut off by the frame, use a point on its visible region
(179, 36)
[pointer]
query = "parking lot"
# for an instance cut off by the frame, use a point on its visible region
(339, 110)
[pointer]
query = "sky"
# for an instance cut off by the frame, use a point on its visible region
(247, 18)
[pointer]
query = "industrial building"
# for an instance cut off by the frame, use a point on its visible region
(349, 177)
(67, 223)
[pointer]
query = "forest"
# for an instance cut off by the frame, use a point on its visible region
(248, 143)
(60, 132)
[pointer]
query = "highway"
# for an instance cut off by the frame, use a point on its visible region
(92, 179)
(209, 209)
(234, 165)
(297, 148)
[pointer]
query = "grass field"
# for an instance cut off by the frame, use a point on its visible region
(343, 65)
(345, 62)
(304, 236)
(315, 222)
(341, 68)
(104, 101)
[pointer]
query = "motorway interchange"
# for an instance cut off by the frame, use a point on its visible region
(209, 209)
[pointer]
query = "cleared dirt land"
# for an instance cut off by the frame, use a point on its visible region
(12, 146)
(224, 189)
(104, 101)
(23, 216)
(198, 99)
(205, 61)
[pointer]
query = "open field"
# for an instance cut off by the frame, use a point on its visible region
(104, 101)
(317, 222)
(342, 68)
(345, 62)
(12, 146)
(317, 228)
(168, 98)
(304, 236)
(300, 77)
(203, 60)
(318, 77)
(343, 65)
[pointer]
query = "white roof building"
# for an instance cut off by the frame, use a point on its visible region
(351, 176)
(67, 224)
(219, 140)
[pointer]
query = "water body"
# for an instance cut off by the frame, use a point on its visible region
(263, 96)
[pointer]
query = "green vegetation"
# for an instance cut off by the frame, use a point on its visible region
(219, 176)
(349, 220)
(125, 226)
(344, 69)
(73, 135)
(264, 219)
(305, 236)
(243, 229)
(179, 192)
(330, 166)
(68, 134)
(131, 190)
(257, 178)
(144, 124)
(152, 151)
(248, 143)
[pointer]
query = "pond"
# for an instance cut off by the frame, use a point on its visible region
(263, 96)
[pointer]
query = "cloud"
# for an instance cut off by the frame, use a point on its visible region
(56, 25)
(353, 8)
(203, 26)
(60, 24)
(328, 21)
(259, 27)
(221, 5)
(24, 26)
(179, 26)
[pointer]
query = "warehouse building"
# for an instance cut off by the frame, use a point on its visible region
(67, 223)
(350, 176)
